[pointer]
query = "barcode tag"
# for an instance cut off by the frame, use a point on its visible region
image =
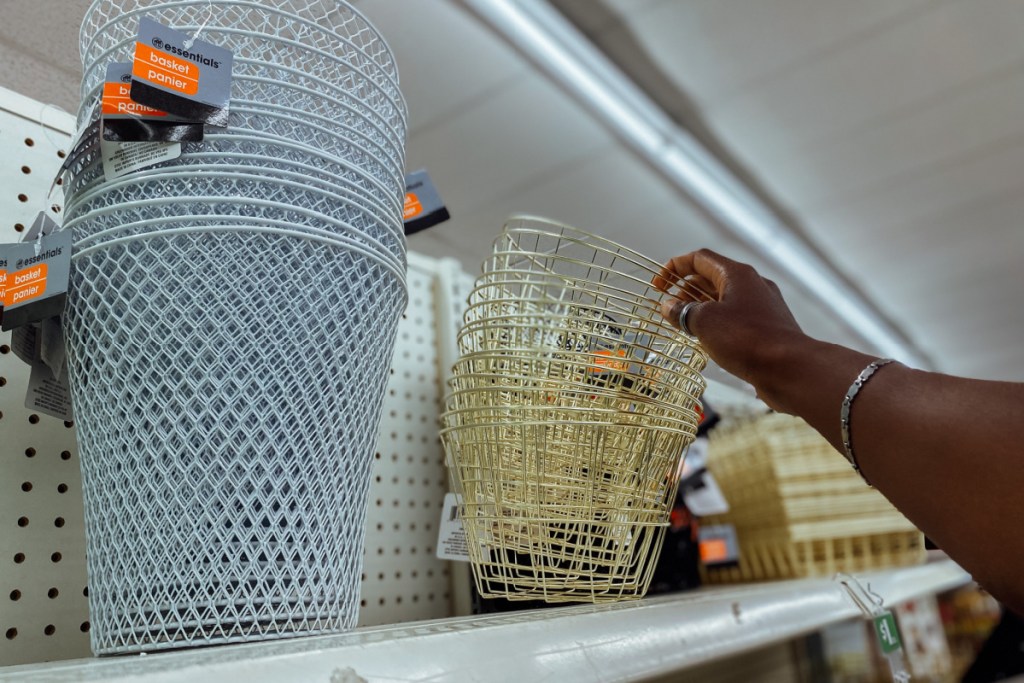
(122, 158)
(48, 394)
(451, 536)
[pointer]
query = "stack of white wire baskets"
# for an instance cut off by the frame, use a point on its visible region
(230, 325)
(571, 406)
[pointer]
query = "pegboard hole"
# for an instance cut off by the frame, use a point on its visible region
(19, 558)
(58, 522)
(3, 381)
(5, 348)
(56, 557)
(26, 170)
(65, 455)
(61, 153)
(15, 595)
(29, 142)
(68, 424)
(84, 628)
(12, 633)
(52, 593)
(26, 486)
(85, 591)
(62, 488)
(22, 521)
(19, 227)
(30, 452)
(22, 197)
(33, 418)
(50, 629)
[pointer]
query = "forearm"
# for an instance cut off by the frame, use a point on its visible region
(916, 436)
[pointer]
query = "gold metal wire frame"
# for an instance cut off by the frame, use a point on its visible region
(570, 408)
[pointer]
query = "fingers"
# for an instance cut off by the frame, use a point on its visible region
(697, 288)
(712, 267)
(671, 309)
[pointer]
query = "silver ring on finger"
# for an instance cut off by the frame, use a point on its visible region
(682, 319)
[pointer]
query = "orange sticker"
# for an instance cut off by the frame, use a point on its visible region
(160, 68)
(25, 285)
(714, 550)
(117, 100)
(413, 206)
(608, 361)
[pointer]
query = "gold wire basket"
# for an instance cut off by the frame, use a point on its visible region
(798, 508)
(570, 409)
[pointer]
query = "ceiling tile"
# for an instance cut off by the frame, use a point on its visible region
(902, 66)
(982, 115)
(447, 60)
(714, 49)
(927, 193)
(597, 15)
(525, 135)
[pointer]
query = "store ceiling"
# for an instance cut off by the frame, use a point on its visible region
(890, 131)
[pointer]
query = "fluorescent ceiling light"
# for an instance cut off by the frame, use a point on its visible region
(545, 37)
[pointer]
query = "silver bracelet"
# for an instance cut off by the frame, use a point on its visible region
(844, 413)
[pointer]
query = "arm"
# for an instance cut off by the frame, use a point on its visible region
(946, 451)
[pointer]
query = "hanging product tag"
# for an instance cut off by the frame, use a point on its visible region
(122, 158)
(48, 394)
(887, 634)
(718, 545)
(181, 76)
(42, 225)
(84, 153)
(23, 343)
(699, 488)
(34, 279)
(125, 120)
(451, 536)
(423, 205)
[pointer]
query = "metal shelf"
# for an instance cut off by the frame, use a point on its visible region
(623, 641)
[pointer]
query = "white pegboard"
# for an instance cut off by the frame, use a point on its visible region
(402, 578)
(43, 607)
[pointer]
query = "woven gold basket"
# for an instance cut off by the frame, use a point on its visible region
(571, 406)
(798, 508)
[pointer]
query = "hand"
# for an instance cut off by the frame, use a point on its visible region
(744, 326)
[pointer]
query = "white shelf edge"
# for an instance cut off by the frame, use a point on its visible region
(623, 641)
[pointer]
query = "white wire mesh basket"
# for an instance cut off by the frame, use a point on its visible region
(571, 407)
(276, 119)
(243, 150)
(331, 26)
(243, 195)
(333, 30)
(227, 432)
(230, 323)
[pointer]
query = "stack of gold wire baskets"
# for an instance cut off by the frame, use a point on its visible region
(797, 507)
(571, 406)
